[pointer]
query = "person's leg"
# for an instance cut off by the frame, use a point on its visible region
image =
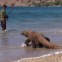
(3, 25)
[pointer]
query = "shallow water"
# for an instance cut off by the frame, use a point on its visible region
(48, 22)
(11, 46)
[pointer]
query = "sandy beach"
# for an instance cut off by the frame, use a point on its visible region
(55, 57)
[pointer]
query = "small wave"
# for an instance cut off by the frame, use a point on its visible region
(11, 47)
(22, 45)
(33, 58)
(52, 31)
(10, 30)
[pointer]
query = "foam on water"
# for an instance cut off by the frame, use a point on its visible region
(58, 52)
(52, 31)
(22, 45)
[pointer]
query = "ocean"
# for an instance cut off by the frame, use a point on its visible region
(46, 20)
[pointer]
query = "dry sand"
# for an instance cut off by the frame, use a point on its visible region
(54, 57)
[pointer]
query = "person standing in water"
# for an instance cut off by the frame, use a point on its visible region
(3, 17)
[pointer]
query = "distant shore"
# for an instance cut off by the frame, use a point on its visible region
(32, 3)
(35, 6)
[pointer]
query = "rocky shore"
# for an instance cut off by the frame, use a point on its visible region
(32, 2)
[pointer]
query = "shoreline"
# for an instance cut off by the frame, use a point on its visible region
(54, 57)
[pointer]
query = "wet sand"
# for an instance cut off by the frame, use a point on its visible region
(13, 54)
(55, 57)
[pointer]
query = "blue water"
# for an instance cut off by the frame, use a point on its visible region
(42, 19)
(35, 18)
(47, 20)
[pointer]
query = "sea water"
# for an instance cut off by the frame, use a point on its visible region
(46, 20)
